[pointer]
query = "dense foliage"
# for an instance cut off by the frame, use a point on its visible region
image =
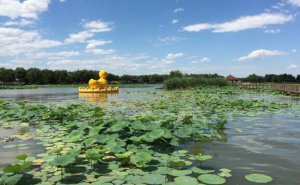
(282, 78)
(45, 76)
(193, 81)
(133, 142)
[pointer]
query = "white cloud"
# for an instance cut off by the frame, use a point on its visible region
(52, 55)
(202, 60)
(272, 31)
(261, 53)
(292, 66)
(15, 41)
(26, 9)
(294, 50)
(242, 23)
(98, 26)
(171, 39)
(172, 56)
(62, 1)
(94, 43)
(294, 2)
(174, 21)
(178, 10)
(79, 37)
(20, 23)
(101, 51)
(91, 28)
(162, 41)
(117, 64)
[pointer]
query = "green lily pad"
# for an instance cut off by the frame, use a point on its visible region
(211, 179)
(63, 160)
(174, 172)
(185, 180)
(201, 171)
(203, 157)
(141, 158)
(259, 178)
(154, 179)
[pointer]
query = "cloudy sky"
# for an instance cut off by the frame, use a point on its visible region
(240, 37)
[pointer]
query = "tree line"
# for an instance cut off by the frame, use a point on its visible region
(46, 76)
(273, 78)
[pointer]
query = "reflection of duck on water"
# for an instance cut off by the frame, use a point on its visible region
(93, 97)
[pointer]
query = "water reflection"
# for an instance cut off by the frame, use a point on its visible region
(96, 98)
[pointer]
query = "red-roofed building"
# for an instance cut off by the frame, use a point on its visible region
(231, 78)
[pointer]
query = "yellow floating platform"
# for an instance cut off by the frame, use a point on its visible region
(106, 90)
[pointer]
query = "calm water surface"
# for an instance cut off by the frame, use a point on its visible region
(265, 143)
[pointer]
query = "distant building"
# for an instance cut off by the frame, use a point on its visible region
(231, 79)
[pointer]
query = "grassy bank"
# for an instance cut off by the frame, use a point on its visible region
(190, 82)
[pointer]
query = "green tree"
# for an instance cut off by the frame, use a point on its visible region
(20, 74)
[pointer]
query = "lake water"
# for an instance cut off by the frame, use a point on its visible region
(266, 143)
(71, 95)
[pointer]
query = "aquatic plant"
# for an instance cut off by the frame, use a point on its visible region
(132, 141)
(192, 82)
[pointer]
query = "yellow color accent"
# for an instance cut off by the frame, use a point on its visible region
(99, 86)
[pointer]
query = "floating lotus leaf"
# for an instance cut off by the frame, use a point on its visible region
(63, 160)
(17, 168)
(224, 174)
(57, 150)
(225, 170)
(153, 135)
(141, 158)
(124, 155)
(203, 157)
(259, 178)
(185, 180)
(211, 179)
(177, 163)
(201, 171)
(10, 180)
(175, 172)
(93, 154)
(154, 179)
(21, 157)
(135, 179)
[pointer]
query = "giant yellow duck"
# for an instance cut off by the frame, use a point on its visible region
(99, 86)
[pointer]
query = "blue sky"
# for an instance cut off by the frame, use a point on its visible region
(238, 37)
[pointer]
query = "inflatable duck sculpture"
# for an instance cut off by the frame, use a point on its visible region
(99, 86)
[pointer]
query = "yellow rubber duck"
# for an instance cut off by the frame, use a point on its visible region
(101, 83)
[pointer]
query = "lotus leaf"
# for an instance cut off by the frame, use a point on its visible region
(10, 180)
(185, 180)
(174, 172)
(154, 179)
(211, 179)
(63, 160)
(141, 158)
(259, 178)
(203, 157)
(22, 157)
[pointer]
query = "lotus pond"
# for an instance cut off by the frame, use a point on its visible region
(147, 136)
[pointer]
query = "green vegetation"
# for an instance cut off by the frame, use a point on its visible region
(273, 78)
(191, 82)
(133, 142)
